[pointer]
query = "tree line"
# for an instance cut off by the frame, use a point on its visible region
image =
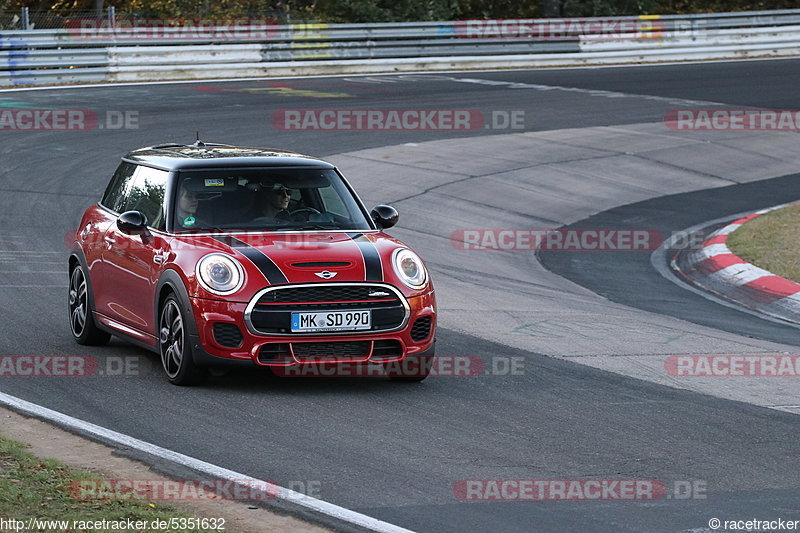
(392, 10)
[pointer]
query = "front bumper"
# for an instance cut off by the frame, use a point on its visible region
(294, 350)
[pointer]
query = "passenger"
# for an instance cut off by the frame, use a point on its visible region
(186, 209)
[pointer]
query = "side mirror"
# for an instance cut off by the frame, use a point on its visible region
(132, 222)
(385, 216)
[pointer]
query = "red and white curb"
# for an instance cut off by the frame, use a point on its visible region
(714, 267)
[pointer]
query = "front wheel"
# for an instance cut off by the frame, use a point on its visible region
(81, 318)
(176, 355)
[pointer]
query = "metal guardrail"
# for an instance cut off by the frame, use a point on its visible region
(92, 50)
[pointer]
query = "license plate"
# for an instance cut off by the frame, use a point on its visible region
(331, 321)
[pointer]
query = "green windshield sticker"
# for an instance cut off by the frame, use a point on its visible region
(189, 221)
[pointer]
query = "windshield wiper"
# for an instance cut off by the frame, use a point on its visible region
(305, 226)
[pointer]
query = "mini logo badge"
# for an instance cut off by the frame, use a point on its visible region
(325, 274)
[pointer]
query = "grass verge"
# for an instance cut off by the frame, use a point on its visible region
(771, 241)
(39, 489)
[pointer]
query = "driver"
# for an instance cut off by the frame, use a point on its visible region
(277, 201)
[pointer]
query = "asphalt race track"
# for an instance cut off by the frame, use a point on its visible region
(588, 331)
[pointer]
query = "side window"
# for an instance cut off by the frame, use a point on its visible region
(146, 194)
(333, 202)
(114, 196)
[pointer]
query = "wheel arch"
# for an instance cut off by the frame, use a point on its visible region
(171, 282)
(76, 257)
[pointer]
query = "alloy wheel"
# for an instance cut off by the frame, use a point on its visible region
(171, 338)
(78, 301)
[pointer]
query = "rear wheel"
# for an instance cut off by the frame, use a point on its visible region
(81, 317)
(176, 354)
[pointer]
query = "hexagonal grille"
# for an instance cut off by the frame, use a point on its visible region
(324, 293)
(421, 329)
(227, 335)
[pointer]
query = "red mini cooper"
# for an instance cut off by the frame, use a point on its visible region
(210, 254)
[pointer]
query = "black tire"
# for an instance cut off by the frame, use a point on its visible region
(176, 352)
(417, 372)
(81, 311)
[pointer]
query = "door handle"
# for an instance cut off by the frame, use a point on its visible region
(109, 240)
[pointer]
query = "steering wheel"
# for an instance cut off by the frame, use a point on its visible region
(302, 214)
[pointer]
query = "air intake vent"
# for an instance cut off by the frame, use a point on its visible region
(387, 349)
(324, 350)
(421, 329)
(321, 264)
(275, 353)
(227, 335)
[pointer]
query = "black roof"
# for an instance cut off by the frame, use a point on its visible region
(212, 155)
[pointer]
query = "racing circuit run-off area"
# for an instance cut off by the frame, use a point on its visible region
(318, 268)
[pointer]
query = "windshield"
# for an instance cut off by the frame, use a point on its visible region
(265, 199)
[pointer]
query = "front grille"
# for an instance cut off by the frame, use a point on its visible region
(227, 335)
(325, 293)
(272, 312)
(331, 350)
(421, 329)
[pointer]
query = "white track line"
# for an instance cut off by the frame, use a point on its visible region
(319, 506)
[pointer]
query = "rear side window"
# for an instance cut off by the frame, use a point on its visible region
(146, 194)
(114, 196)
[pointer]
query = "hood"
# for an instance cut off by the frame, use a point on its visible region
(312, 257)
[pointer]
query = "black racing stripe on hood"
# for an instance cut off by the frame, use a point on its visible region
(372, 259)
(266, 265)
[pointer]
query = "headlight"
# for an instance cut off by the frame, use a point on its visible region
(220, 274)
(409, 268)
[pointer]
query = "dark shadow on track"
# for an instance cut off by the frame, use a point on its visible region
(628, 277)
